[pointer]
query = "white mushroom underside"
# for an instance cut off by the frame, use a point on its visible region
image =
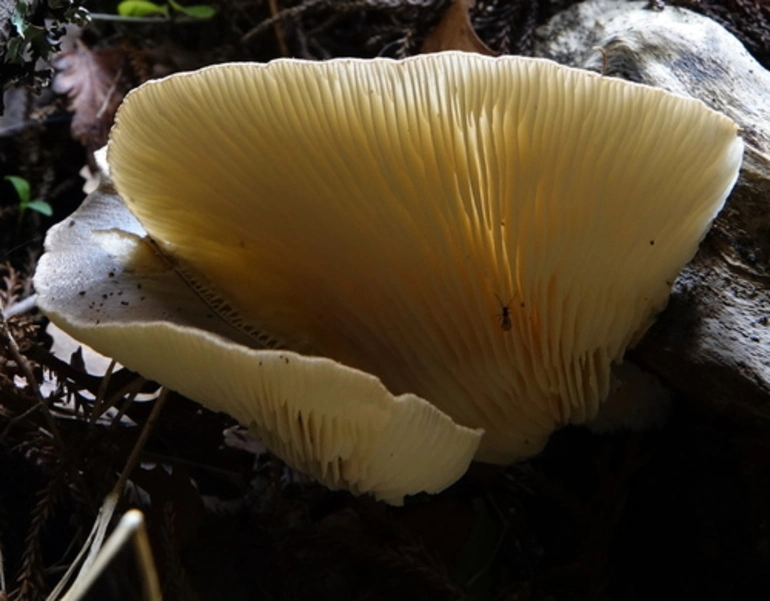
(332, 422)
(372, 211)
(102, 282)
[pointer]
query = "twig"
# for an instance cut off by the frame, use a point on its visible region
(98, 533)
(96, 409)
(131, 462)
(110, 93)
(603, 52)
(23, 364)
(129, 392)
(295, 11)
(53, 427)
(16, 419)
(159, 20)
(2, 573)
(280, 35)
(23, 306)
(286, 14)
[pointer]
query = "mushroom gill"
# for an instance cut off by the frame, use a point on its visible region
(489, 234)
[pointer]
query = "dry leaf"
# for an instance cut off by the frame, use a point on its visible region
(95, 82)
(455, 32)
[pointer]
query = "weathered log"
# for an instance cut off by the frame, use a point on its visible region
(712, 343)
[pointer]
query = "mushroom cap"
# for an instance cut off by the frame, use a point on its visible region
(374, 211)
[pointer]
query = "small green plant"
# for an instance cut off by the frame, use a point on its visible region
(22, 188)
(145, 8)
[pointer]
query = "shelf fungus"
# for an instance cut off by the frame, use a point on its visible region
(321, 250)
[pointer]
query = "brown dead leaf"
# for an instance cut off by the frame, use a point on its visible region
(455, 32)
(95, 82)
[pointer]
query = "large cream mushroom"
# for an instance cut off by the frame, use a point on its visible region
(447, 235)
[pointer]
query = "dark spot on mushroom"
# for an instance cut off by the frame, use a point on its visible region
(120, 293)
(98, 321)
(111, 274)
(71, 223)
(241, 243)
(104, 296)
(82, 293)
(112, 294)
(260, 363)
(124, 303)
(754, 338)
(141, 298)
(138, 286)
(652, 242)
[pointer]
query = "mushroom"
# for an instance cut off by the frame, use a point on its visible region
(104, 282)
(361, 250)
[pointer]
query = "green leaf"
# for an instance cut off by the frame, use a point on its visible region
(140, 8)
(21, 186)
(40, 206)
(198, 11)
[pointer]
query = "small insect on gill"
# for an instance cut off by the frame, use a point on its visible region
(505, 314)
